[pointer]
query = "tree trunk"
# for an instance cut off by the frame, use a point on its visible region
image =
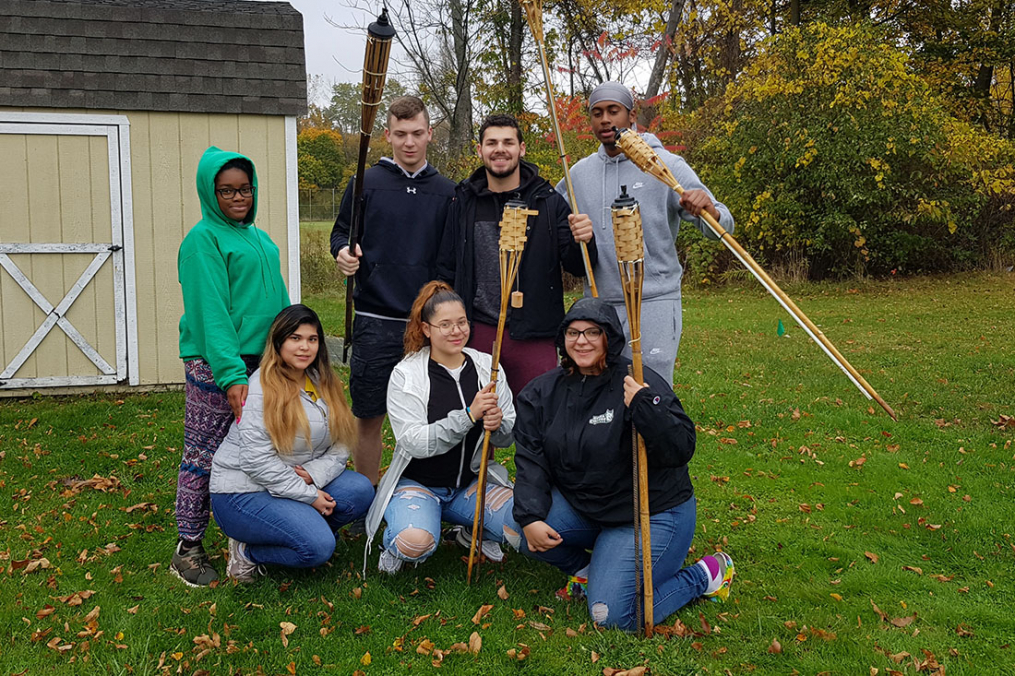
(516, 103)
(649, 111)
(460, 132)
(794, 12)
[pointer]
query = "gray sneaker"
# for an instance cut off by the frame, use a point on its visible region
(389, 563)
(193, 566)
(240, 568)
(491, 550)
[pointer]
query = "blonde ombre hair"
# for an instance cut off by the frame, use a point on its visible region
(283, 411)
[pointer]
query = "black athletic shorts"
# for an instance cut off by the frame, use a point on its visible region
(377, 347)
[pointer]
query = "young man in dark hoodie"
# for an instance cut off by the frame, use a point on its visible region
(469, 254)
(405, 203)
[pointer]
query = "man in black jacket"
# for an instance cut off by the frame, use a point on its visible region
(469, 253)
(405, 202)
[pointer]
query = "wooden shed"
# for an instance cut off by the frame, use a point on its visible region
(105, 109)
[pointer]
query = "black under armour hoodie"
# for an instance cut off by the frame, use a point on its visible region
(573, 432)
(402, 230)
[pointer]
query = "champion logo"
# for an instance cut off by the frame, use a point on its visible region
(637, 185)
(408, 190)
(602, 418)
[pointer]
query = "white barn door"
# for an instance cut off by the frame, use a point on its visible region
(67, 305)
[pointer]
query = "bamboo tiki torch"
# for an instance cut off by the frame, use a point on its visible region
(534, 16)
(375, 72)
(627, 238)
(512, 242)
(646, 159)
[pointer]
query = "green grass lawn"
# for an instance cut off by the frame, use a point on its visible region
(860, 543)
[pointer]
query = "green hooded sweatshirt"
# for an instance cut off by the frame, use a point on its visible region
(232, 282)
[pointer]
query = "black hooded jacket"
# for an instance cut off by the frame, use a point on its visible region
(549, 247)
(402, 228)
(573, 432)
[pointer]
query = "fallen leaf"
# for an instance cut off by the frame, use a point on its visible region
(287, 629)
(903, 465)
(914, 569)
(502, 593)
(357, 592)
(46, 610)
(366, 659)
(425, 647)
(964, 630)
(595, 657)
(872, 556)
(481, 613)
(365, 629)
(570, 633)
(539, 626)
(416, 621)
(837, 597)
(903, 621)
(475, 643)
(775, 648)
(93, 615)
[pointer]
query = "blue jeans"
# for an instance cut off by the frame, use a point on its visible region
(287, 532)
(612, 591)
(415, 512)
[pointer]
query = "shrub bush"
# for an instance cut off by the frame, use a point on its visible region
(829, 148)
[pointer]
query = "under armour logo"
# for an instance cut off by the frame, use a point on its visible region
(408, 190)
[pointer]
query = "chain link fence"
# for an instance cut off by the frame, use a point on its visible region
(320, 204)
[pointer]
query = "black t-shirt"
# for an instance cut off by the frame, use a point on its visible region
(451, 469)
(486, 253)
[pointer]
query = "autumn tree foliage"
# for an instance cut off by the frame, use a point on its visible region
(829, 148)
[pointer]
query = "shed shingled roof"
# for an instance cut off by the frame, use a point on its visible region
(202, 56)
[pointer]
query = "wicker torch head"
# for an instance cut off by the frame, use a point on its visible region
(375, 69)
(627, 233)
(512, 225)
(646, 159)
(534, 15)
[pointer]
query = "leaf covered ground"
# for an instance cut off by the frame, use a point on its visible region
(862, 545)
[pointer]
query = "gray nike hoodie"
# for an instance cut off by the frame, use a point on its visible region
(597, 180)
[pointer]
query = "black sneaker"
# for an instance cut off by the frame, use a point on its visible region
(193, 566)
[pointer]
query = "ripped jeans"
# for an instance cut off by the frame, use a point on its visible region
(415, 512)
(611, 590)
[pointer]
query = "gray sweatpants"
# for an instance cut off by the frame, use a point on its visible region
(661, 324)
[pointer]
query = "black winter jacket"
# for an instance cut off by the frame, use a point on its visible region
(549, 247)
(573, 432)
(402, 230)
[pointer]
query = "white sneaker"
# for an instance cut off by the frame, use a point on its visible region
(491, 550)
(240, 568)
(389, 563)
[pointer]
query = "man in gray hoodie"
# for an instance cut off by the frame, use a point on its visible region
(597, 181)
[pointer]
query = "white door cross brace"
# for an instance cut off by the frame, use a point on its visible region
(56, 316)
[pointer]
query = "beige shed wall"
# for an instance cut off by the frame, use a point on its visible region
(165, 150)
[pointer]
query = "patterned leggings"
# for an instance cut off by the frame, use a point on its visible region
(206, 421)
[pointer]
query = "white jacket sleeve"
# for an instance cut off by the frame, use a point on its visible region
(259, 458)
(407, 414)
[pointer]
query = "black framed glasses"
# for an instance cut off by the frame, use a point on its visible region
(447, 328)
(229, 193)
(591, 333)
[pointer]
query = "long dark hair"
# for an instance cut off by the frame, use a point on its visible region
(283, 412)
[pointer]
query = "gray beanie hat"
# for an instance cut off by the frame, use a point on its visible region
(612, 91)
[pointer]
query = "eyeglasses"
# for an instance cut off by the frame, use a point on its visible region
(591, 333)
(447, 328)
(229, 193)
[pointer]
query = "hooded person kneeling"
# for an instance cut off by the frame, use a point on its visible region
(574, 487)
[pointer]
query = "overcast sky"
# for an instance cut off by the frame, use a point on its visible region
(335, 53)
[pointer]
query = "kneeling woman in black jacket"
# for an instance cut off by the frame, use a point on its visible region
(574, 486)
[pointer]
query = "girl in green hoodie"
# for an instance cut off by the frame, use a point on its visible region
(232, 285)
